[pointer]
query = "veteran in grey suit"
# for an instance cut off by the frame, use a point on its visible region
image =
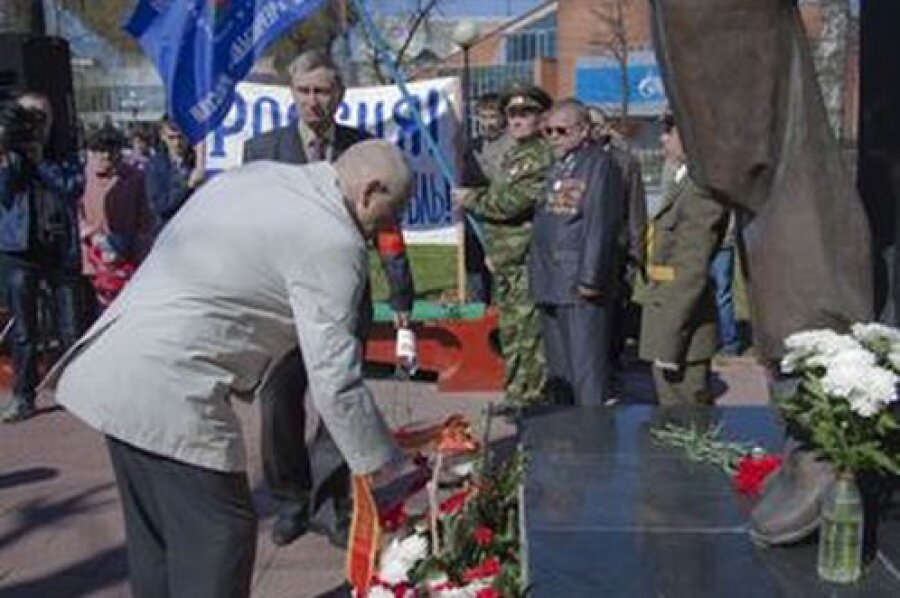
(573, 257)
(262, 257)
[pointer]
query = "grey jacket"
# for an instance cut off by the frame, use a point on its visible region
(576, 226)
(260, 257)
(284, 145)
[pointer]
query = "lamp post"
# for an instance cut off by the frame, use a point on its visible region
(465, 35)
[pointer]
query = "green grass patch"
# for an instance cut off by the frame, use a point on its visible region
(434, 271)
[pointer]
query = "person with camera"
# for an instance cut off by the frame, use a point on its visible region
(38, 239)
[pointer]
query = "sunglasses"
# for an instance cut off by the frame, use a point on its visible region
(561, 131)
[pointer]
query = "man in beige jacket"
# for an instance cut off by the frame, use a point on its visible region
(262, 256)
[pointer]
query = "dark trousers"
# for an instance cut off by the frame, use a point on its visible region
(23, 281)
(298, 475)
(294, 472)
(190, 531)
(576, 344)
(477, 273)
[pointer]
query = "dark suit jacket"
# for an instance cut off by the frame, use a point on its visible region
(576, 226)
(166, 186)
(633, 238)
(284, 145)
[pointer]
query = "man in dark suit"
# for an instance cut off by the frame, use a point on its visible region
(303, 479)
(573, 257)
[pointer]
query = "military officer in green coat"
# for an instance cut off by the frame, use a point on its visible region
(679, 330)
(506, 207)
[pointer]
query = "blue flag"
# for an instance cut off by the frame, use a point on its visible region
(203, 48)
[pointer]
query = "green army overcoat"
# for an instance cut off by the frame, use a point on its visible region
(679, 318)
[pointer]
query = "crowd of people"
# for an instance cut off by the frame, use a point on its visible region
(272, 302)
(75, 226)
(569, 232)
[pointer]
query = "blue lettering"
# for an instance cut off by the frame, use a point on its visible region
(222, 131)
(430, 206)
(273, 108)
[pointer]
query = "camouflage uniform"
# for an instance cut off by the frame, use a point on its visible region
(507, 209)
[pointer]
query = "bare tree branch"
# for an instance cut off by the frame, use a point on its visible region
(611, 38)
(418, 18)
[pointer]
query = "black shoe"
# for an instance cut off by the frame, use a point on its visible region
(338, 534)
(291, 522)
(17, 410)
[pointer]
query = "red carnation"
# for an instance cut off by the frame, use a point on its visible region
(483, 535)
(753, 471)
(488, 593)
(395, 518)
(488, 568)
(454, 503)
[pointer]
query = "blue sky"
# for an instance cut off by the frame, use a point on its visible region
(456, 8)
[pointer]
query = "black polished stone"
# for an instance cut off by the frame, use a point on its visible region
(609, 512)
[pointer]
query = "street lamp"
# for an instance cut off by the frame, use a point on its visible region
(465, 35)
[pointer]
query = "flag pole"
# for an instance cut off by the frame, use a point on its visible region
(444, 165)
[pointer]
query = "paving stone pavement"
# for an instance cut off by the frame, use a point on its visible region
(60, 526)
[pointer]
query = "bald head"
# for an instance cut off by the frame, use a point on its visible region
(376, 181)
(568, 127)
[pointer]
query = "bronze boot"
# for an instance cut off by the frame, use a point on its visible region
(789, 509)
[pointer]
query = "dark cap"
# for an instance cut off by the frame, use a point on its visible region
(526, 96)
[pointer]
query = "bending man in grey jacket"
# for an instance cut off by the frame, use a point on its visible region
(262, 256)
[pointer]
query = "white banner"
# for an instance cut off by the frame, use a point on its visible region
(381, 112)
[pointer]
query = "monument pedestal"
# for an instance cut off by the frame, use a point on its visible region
(609, 512)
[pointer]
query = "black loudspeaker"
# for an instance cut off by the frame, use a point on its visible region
(42, 64)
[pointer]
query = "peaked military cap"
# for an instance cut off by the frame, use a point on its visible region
(526, 96)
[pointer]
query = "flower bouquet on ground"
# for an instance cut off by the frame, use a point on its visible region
(842, 407)
(463, 541)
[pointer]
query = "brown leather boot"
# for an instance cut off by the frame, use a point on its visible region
(789, 509)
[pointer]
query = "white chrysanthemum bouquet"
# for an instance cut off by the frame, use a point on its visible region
(846, 394)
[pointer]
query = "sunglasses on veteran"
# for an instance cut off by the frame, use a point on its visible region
(550, 131)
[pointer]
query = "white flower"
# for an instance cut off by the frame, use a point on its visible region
(380, 592)
(467, 591)
(851, 358)
(400, 556)
(874, 332)
(464, 469)
(868, 388)
(815, 347)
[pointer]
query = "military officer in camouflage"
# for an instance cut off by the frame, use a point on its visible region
(506, 208)
(678, 331)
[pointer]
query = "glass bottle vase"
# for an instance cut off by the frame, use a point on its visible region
(841, 532)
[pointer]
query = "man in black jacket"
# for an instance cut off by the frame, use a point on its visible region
(304, 479)
(573, 251)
